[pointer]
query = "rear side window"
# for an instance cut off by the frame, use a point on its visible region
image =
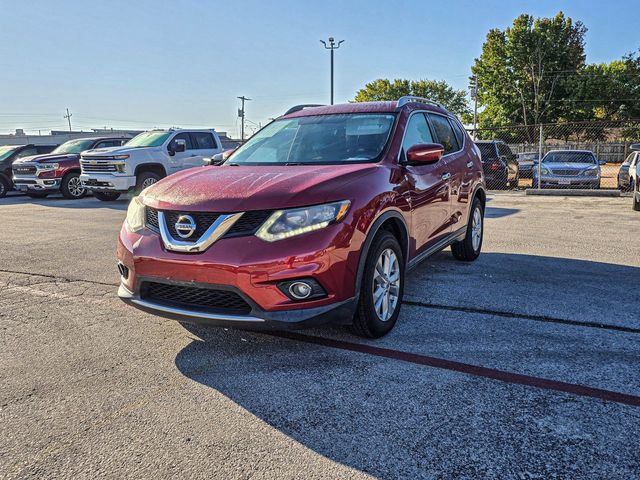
(504, 150)
(417, 131)
(444, 133)
(204, 140)
(181, 136)
(457, 129)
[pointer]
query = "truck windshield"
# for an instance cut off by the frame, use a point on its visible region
(5, 152)
(148, 139)
(569, 157)
(74, 146)
(318, 139)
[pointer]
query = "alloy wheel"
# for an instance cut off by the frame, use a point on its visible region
(75, 187)
(476, 229)
(148, 182)
(386, 284)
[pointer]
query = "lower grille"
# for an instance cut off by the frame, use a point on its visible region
(207, 300)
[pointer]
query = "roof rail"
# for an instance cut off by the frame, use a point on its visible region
(297, 108)
(411, 99)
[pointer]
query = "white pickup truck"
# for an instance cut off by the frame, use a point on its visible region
(145, 159)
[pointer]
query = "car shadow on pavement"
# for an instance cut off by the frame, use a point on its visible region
(58, 201)
(499, 212)
(392, 419)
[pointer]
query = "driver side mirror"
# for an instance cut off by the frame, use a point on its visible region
(425, 153)
(179, 145)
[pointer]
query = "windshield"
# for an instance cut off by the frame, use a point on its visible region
(569, 157)
(528, 156)
(487, 151)
(318, 139)
(148, 139)
(5, 152)
(74, 146)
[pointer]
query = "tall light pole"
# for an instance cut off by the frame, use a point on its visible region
(474, 94)
(68, 117)
(331, 47)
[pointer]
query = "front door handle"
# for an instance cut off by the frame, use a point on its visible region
(469, 164)
(446, 176)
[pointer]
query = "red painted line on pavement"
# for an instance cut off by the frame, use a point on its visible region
(476, 370)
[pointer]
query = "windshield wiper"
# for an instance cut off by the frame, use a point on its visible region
(293, 164)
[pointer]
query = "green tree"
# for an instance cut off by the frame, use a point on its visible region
(523, 72)
(440, 91)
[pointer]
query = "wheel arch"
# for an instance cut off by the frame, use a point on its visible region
(157, 168)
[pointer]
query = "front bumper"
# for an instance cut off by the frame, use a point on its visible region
(107, 182)
(340, 313)
(252, 269)
(580, 181)
(26, 183)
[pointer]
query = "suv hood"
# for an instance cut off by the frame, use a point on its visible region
(48, 157)
(243, 188)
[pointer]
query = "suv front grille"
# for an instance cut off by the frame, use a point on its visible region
(209, 300)
(246, 225)
(24, 170)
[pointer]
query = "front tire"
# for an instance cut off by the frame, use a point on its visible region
(107, 196)
(468, 250)
(4, 186)
(382, 288)
(144, 180)
(71, 187)
(636, 201)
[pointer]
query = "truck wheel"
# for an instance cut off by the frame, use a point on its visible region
(4, 186)
(107, 196)
(636, 201)
(71, 186)
(382, 288)
(144, 180)
(468, 249)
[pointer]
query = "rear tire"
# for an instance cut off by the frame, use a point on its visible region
(382, 288)
(468, 250)
(636, 201)
(5, 186)
(71, 187)
(107, 196)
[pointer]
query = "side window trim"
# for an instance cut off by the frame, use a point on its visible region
(446, 117)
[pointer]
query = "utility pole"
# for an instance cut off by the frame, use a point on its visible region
(474, 95)
(241, 115)
(68, 117)
(331, 47)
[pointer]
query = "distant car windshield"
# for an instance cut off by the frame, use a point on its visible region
(6, 151)
(569, 157)
(74, 146)
(317, 139)
(487, 151)
(528, 156)
(148, 139)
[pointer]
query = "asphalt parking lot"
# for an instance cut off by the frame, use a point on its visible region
(524, 364)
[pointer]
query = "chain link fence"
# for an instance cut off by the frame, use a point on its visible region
(587, 155)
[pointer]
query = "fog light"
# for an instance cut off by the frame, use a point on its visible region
(302, 289)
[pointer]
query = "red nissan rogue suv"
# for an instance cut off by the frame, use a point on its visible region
(316, 218)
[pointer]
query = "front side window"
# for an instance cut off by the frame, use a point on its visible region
(417, 131)
(181, 136)
(318, 139)
(444, 133)
(569, 157)
(73, 146)
(148, 139)
(27, 152)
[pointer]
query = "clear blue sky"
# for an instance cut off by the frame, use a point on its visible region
(142, 64)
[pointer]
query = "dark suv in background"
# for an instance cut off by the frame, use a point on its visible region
(11, 153)
(500, 165)
(40, 175)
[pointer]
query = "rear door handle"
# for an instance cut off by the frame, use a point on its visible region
(469, 164)
(446, 176)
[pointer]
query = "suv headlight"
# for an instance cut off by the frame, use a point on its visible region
(545, 171)
(296, 221)
(135, 215)
(45, 167)
(591, 173)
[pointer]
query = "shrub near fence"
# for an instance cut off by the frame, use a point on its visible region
(609, 142)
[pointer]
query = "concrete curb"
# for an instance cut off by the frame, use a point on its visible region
(559, 192)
